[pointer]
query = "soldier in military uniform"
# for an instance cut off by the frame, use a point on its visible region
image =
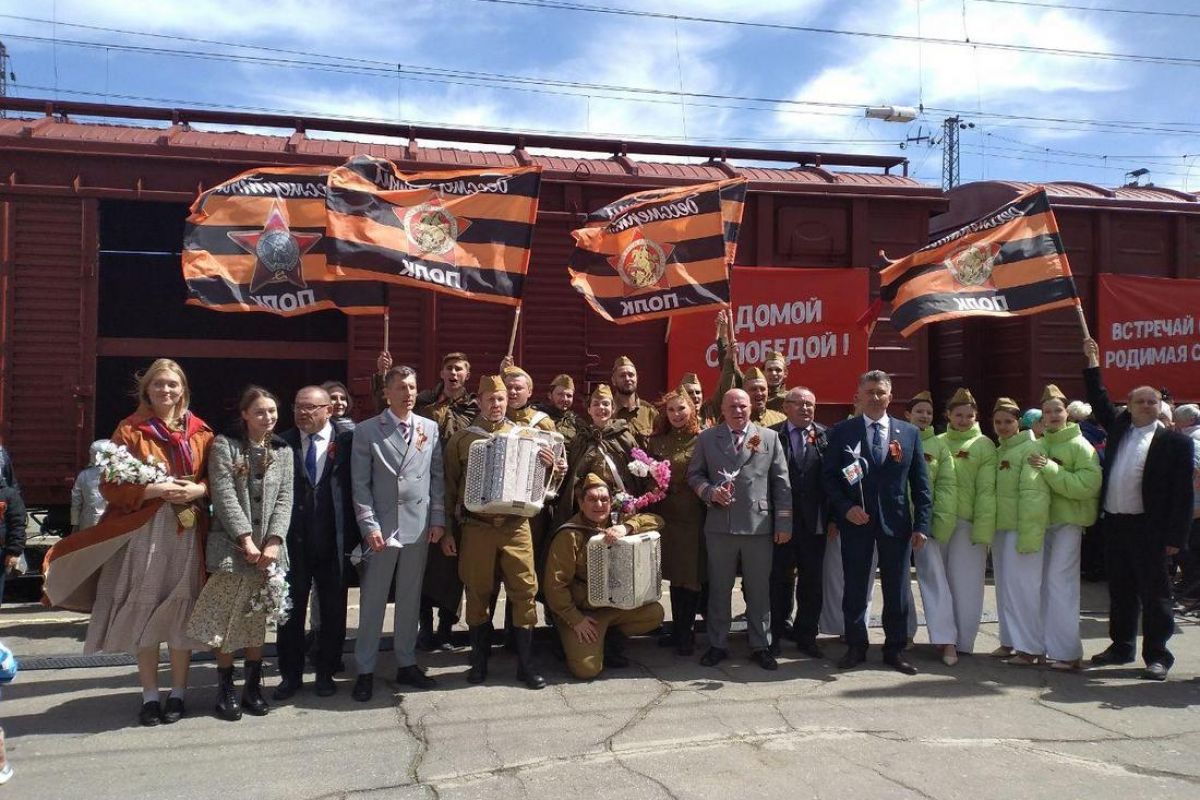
(485, 542)
(519, 386)
(603, 446)
(629, 407)
(755, 384)
(592, 637)
(452, 407)
(557, 406)
(774, 368)
(708, 412)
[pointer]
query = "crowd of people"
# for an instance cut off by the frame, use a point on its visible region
(250, 528)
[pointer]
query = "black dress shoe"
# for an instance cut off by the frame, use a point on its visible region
(899, 663)
(713, 656)
(324, 686)
(1111, 656)
(810, 649)
(1155, 671)
(173, 711)
(286, 689)
(764, 659)
(151, 714)
(413, 676)
(853, 657)
(364, 687)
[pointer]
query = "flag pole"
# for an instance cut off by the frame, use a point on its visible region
(512, 337)
(387, 319)
(1082, 319)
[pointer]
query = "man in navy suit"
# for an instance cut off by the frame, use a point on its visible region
(322, 532)
(871, 461)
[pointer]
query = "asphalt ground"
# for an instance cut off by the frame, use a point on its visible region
(664, 727)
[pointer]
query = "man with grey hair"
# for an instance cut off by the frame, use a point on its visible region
(1147, 503)
(872, 466)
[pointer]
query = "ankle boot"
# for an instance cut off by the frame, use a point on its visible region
(481, 644)
(526, 670)
(252, 699)
(228, 707)
(685, 622)
(614, 649)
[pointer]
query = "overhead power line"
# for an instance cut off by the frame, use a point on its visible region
(562, 5)
(1097, 9)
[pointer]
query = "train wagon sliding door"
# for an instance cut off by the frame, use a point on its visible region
(47, 323)
(142, 316)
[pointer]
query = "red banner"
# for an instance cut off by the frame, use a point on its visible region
(808, 315)
(1148, 334)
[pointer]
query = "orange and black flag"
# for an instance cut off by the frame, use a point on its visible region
(257, 242)
(1007, 264)
(462, 232)
(655, 254)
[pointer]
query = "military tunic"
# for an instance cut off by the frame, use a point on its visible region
(565, 422)
(683, 533)
(565, 581)
(640, 418)
(489, 541)
(767, 418)
(441, 585)
(539, 524)
(587, 454)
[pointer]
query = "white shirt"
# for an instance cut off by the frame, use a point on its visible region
(1124, 494)
(885, 427)
(324, 436)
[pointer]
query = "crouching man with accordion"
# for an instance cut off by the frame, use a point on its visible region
(488, 465)
(592, 621)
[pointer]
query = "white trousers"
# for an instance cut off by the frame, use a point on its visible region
(935, 595)
(1018, 594)
(1060, 592)
(831, 622)
(965, 564)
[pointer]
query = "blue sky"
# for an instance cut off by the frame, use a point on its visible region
(1037, 116)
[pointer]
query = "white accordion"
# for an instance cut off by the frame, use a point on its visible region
(505, 476)
(626, 574)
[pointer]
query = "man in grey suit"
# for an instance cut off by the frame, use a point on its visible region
(740, 471)
(396, 465)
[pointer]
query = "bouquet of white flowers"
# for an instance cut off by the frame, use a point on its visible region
(118, 465)
(274, 598)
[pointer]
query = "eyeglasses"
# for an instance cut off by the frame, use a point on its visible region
(309, 409)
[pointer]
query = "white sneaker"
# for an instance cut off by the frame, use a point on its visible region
(6, 773)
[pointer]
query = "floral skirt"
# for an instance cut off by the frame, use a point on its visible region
(223, 619)
(146, 590)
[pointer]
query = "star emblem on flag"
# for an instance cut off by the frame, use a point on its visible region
(277, 251)
(642, 264)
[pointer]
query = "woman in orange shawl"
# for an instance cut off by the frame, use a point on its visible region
(140, 570)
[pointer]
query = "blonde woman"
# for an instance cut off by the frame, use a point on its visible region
(139, 571)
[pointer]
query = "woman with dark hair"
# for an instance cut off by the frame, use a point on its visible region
(251, 479)
(146, 550)
(341, 404)
(673, 439)
(604, 447)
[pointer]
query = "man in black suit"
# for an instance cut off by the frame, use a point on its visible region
(1146, 502)
(322, 532)
(872, 465)
(804, 445)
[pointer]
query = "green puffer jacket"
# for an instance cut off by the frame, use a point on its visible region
(943, 483)
(1022, 494)
(1073, 474)
(974, 458)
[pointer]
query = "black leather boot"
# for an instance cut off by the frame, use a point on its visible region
(614, 649)
(481, 645)
(252, 699)
(425, 640)
(228, 707)
(526, 670)
(685, 621)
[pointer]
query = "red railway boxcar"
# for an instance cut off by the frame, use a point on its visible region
(1129, 231)
(93, 201)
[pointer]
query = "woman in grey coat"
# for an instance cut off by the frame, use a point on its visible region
(250, 479)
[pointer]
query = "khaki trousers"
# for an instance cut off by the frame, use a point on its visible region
(586, 659)
(484, 548)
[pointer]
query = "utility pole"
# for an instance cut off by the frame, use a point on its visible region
(950, 128)
(4, 73)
